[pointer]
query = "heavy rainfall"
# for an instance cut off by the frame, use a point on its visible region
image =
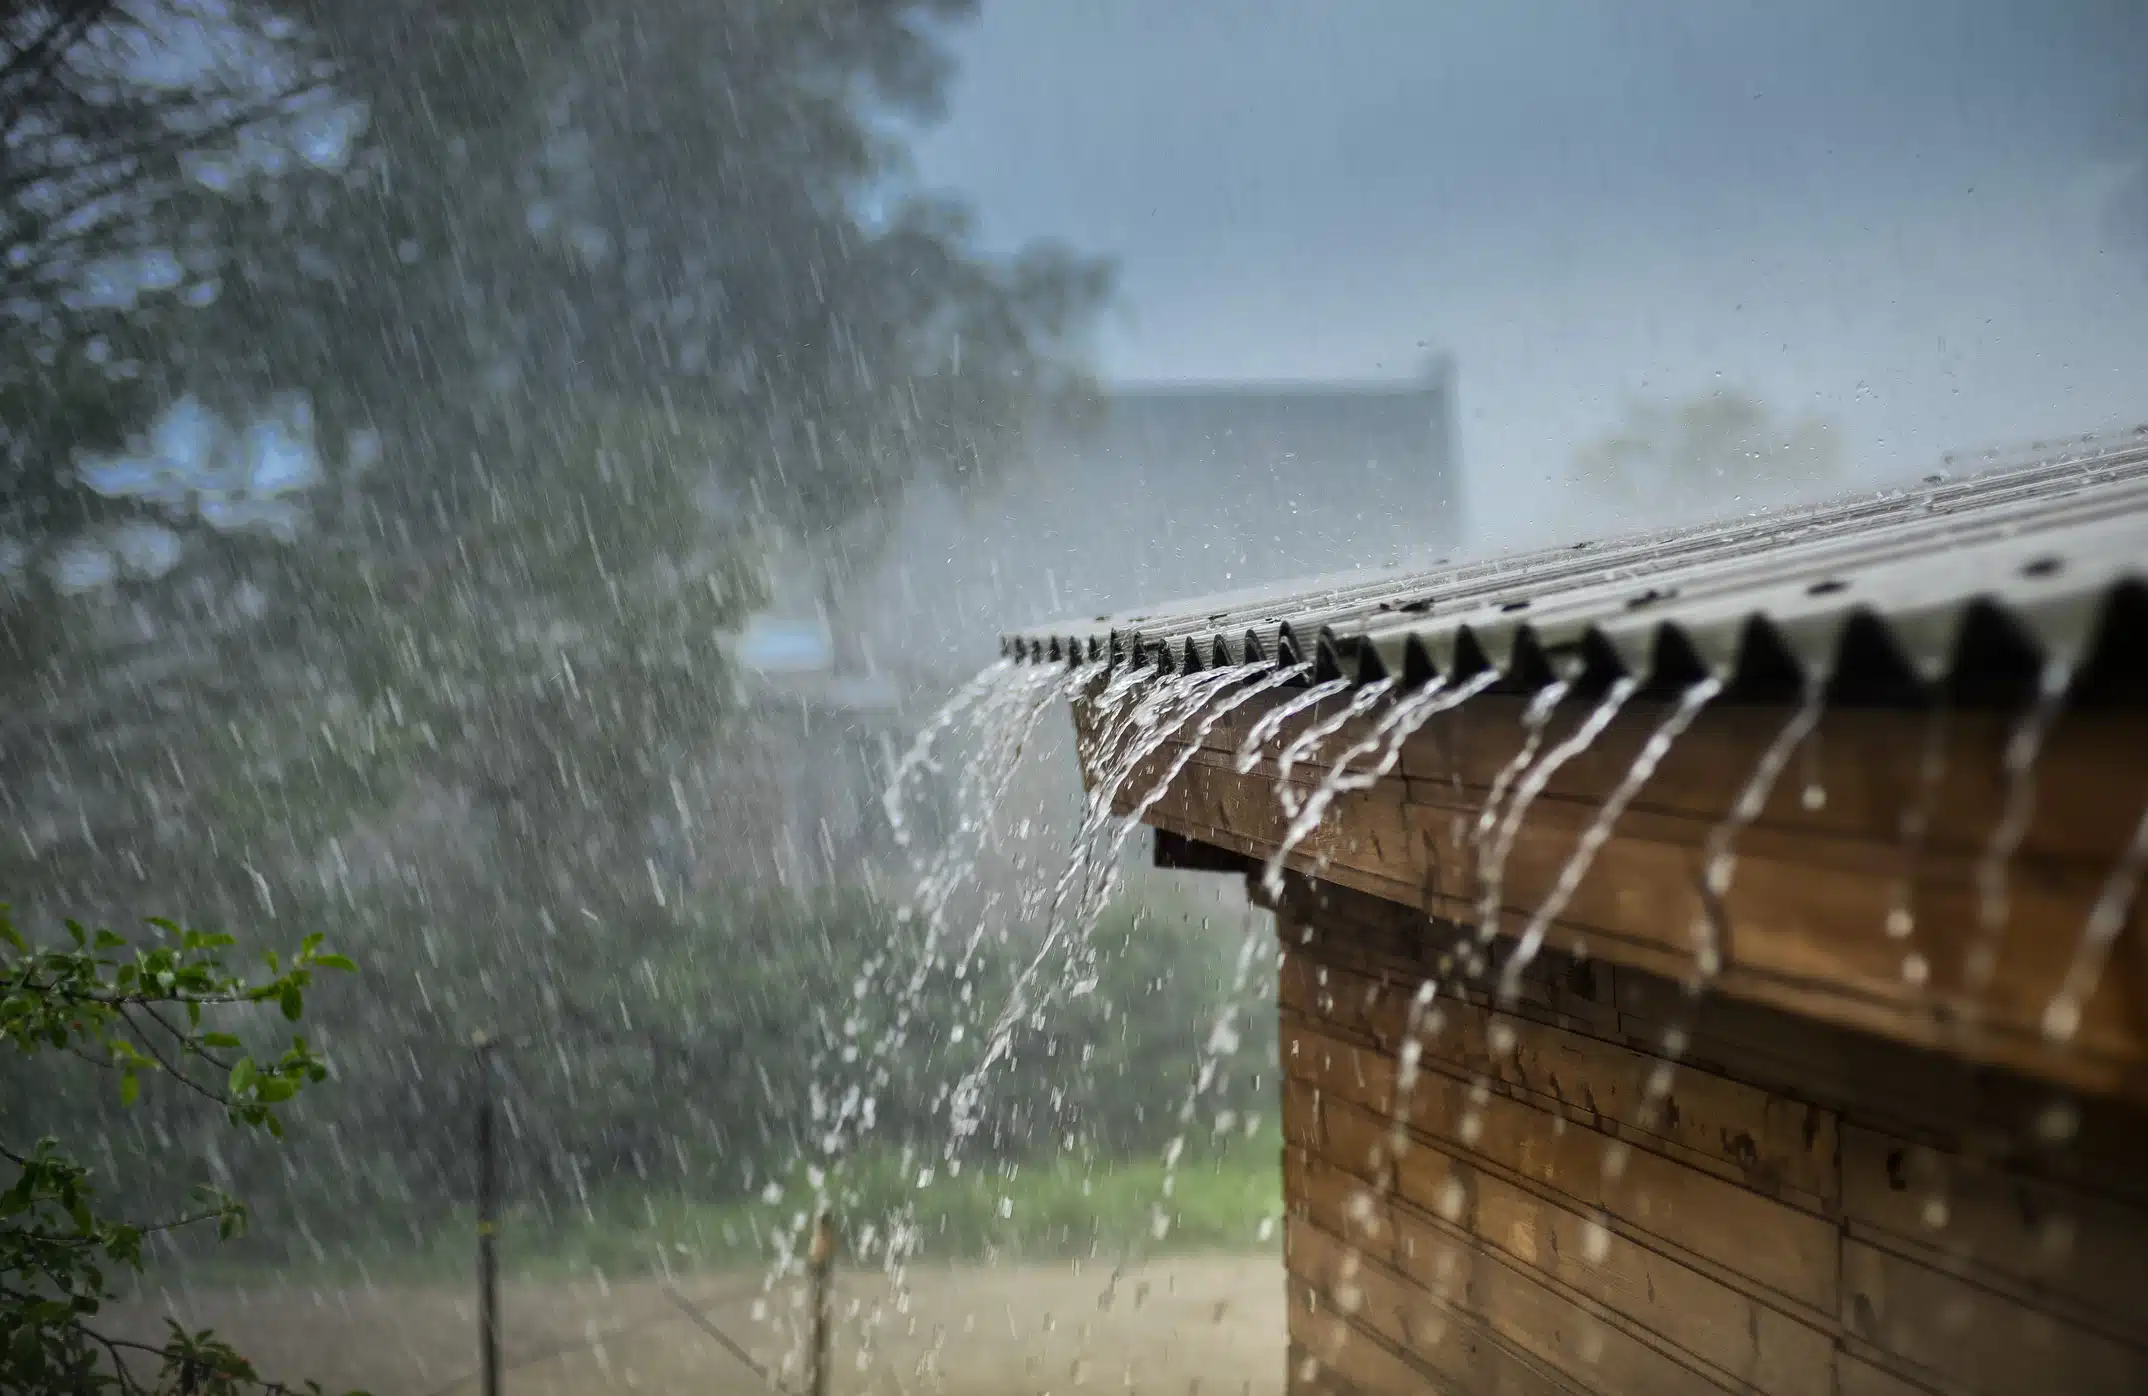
(608, 783)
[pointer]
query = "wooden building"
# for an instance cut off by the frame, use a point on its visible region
(1842, 1092)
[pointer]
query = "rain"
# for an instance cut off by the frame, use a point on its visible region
(980, 697)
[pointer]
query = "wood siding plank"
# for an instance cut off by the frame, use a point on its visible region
(1975, 1337)
(1767, 1241)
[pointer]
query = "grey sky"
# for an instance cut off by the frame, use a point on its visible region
(1899, 215)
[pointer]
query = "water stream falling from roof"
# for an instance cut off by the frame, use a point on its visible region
(1915, 833)
(1389, 734)
(1532, 785)
(1308, 743)
(1271, 722)
(990, 723)
(894, 800)
(1137, 731)
(1142, 729)
(1536, 718)
(1210, 720)
(1719, 861)
(1670, 729)
(1916, 825)
(2024, 745)
(2061, 1018)
(1176, 701)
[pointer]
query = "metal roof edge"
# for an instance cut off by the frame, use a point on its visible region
(1896, 587)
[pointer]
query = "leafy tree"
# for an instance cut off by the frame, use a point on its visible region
(1709, 452)
(112, 114)
(559, 217)
(600, 294)
(136, 1012)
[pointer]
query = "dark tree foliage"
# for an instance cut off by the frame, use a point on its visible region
(584, 299)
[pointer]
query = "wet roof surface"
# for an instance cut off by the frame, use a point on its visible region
(2029, 568)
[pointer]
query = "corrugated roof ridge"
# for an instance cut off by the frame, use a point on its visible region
(2087, 504)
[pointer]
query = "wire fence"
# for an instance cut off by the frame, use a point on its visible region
(493, 1363)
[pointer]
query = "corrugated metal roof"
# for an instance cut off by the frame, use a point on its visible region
(2034, 567)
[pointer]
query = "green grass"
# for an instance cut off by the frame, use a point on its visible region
(1227, 1198)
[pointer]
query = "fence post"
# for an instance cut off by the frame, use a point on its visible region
(821, 1262)
(488, 1207)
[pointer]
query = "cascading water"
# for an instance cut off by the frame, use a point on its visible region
(1532, 785)
(1598, 832)
(1163, 711)
(2018, 767)
(1309, 742)
(1916, 828)
(2061, 1018)
(919, 757)
(993, 719)
(1719, 861)
(1270, 723)
(1174, 701)
(1535, 719)
(1389, 735)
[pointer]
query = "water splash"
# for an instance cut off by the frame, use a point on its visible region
(2018, 810)
(1271, 722)
(1598, 832)
(1532, 785)
(1719, 862)
(1400, 723)
(2106, 919)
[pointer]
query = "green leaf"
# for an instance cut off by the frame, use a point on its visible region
(219, 1039)
(294, 1002)
(342, 962)
(130, 1089)
(243, 1075)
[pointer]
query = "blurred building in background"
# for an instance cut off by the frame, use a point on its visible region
(1175, 490)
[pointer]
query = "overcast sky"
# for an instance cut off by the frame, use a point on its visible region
(1907, 217)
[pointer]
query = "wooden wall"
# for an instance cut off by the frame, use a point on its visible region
(1807, 923)
(1806, 1211)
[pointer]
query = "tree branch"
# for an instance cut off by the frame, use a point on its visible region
(172, 1071)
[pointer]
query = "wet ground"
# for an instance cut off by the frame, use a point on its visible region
(1197, 1326)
